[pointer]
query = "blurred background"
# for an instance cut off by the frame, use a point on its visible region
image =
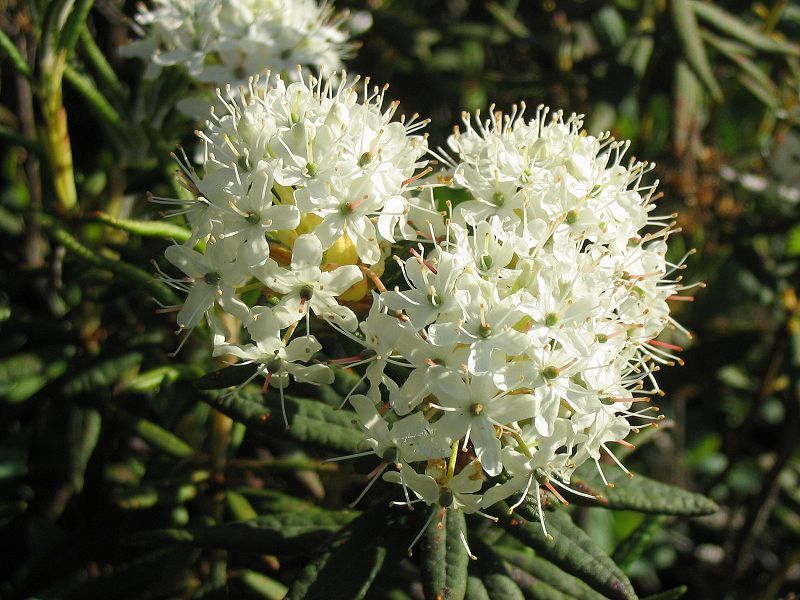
(101, 436)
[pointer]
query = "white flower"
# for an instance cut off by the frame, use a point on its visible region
(226, 41)
(305, 286)
(518, 336)
(210, 279)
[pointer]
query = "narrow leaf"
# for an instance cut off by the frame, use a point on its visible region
(9, 48)
(262, 585)
(475, 588)
(154, 434)
(75, 22)
(571, 548)
(753, 76)
(159, 229)
(632, 547)
(134, 579)
(84, 85)
(225, 378)
(100, 64)
(134, 275)
(445, 559)
(270, 534)
(102, 375)
(309, 421)
(685, 25)
(239, 506)
(153, 379)
(736, 28)
(349, 563)
(85, 425)
(494, 574)
(145, 497)
(641, 494)
(536, 589)
(17, 139)
(673, 594)
(687, 110)
(508, 20)
(545, 572)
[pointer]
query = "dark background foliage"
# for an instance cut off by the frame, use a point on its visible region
(104, 437)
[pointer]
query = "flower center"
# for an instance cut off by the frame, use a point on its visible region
(445, 498)
(550, 372)
(253, 218)
(551, 319)
(306, 293)
(312, 168)
(212, 278)
(572, 217)
(274, 364)
(364, 159)
(485, 330)
(486, 262)
(498, 199)
(476, 409)
(390, 455)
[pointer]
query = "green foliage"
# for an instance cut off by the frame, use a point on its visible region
(641, 494)
(129, 473)
(569, 548)
(445, 559)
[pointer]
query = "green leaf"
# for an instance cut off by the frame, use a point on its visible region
(86, 425)
(84, 85)
(154, 434)
(753, 77)
(633, 546)
(475, 588)
(153, 379)
(262, 585)
(349, 563)
(310, 421)
(641, 494)
(688, 107)
(134, 275)
(445, 559)
(144, 497)
(793, 241)
(673, 594)
(545, 572)
(225, 378)
(536, 589)
(102, 68)
(508, 20)
(571, 548)
(736, 28)
(164, 570)
(9, 48)
(102, 375)
(24, 374)
(239, 506)
(159, 229)
(75, 22)
(494, 575)
(685, 26)
(269, 534)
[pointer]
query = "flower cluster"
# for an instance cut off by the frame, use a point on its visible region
(515, 340)
(298, 197)
(226, 42)
(523, 337)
